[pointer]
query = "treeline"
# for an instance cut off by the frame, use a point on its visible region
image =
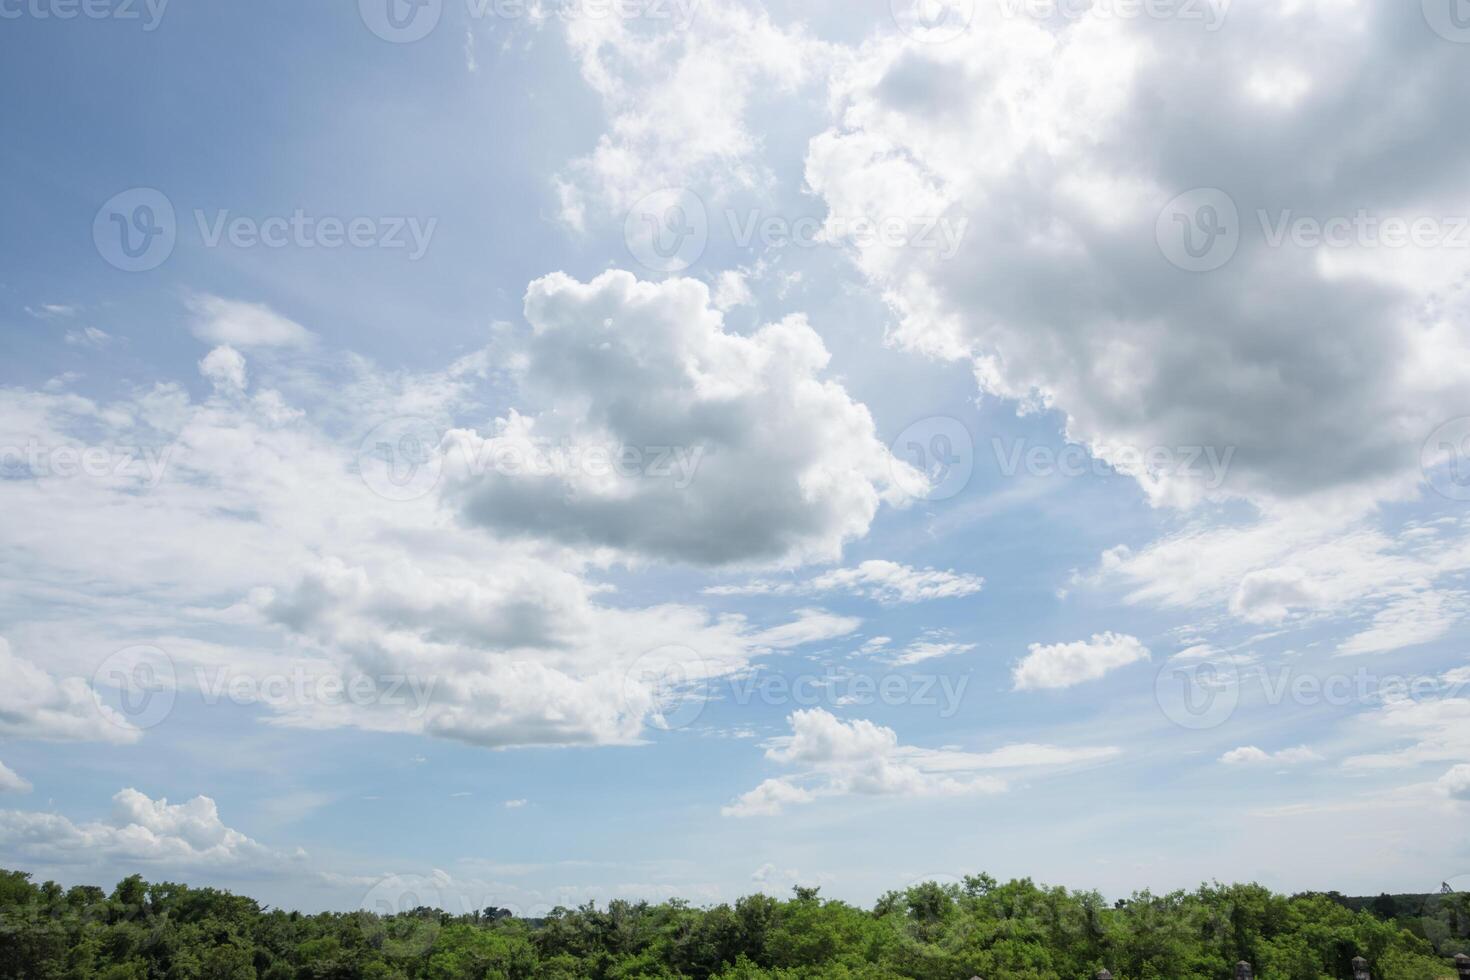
(143, 931)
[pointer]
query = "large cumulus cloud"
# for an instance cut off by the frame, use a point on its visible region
(1062, 142)
(664, 434)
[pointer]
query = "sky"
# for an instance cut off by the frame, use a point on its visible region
(517, 453)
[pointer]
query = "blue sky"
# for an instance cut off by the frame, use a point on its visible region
(1185, 600)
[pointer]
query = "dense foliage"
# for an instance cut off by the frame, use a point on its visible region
(982, 928)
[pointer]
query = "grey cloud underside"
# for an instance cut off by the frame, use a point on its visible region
(747, 454)
(1315, 382)
(727, 524)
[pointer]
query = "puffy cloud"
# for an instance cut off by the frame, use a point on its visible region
(34, 704)
(840, 758)
(671, 437)
(1250, 755)
(820, 737)
(1061, 143)
(769, 799)
(11, 782)
(732, 290)
(512, 653)
(882, 581)
(678, 96)
(1269, 595)
(232, 323)
(1069, 664)
(140, 829)
(225, 369)
(1456, 783)
(348, 606)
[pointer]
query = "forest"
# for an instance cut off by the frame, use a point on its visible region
(980, 928)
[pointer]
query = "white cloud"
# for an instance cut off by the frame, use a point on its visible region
(732, 290)
(882, 581)
(809, 626)
(225, 369)
(260, 520)
(1456, 783)
(1268, 595)
(768, 799)
(88, 337)
(48, 311)
(1298, 566)
(741, 452)
(1069, 664)
(1407, 621)
(1062, 152)
(36, 705)
(1250, 755)
(1417, 731)
(838, 758)
(921, 650)
(11, 782)
(678, 97)
(232, 323)
(140, 829)
(515, 804)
